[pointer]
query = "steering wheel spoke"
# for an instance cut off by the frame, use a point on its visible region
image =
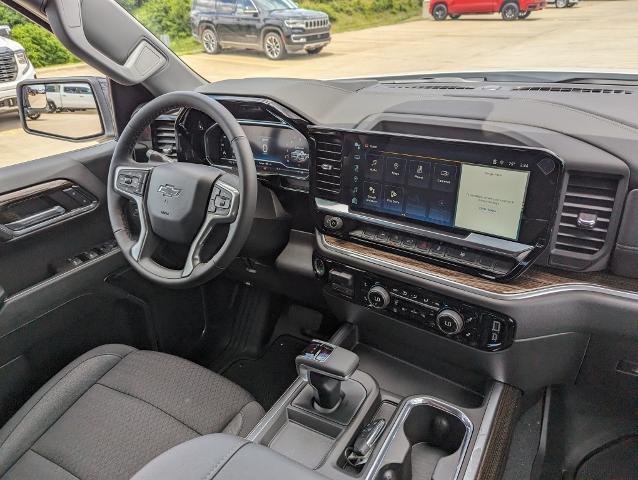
(222, 208)
(130, 181)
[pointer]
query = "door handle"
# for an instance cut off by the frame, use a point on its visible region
(36, 218)
(31, 209)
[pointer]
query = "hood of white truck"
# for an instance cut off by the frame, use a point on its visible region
(10, 44)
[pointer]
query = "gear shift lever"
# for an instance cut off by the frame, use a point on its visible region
(324, 366)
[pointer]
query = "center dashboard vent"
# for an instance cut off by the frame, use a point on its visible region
(163, 135)
(423, 86)
(328, 162)
(586, 214)
(608, 91)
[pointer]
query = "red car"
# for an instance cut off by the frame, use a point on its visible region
(509, 9)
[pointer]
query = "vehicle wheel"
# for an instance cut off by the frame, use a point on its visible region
(510, 11)
(455, 16)
(439, 12)
(210, 41)
(33, 115)
(314, 51)
(274, 46)
(562, 3)
(524, 15)
(51, 106)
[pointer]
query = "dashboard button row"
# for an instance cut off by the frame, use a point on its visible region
(435, 249)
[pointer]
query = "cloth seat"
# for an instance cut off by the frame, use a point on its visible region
(114, 409)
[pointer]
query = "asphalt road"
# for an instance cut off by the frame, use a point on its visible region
(595, 35)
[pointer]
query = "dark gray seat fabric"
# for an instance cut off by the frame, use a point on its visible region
(113, 410)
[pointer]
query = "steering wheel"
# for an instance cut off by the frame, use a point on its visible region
(181, 202)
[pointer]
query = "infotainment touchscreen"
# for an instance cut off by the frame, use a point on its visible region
(480, 189)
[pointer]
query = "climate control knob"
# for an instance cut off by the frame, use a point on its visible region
(449, 321)
(379, 297)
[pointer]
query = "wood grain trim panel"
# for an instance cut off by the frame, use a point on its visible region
(23, 193)
(533, 279)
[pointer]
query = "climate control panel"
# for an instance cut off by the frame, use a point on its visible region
(468, 324)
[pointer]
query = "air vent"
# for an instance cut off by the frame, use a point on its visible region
(421, 86)
(587, 210)
(328, 165)
(609, 91)
(163, 131)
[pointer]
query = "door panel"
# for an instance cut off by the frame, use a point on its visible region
(226, 20)
(28, 260)
(248, 23)
(51, 314)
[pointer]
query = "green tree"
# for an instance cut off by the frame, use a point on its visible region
(168, 17)
(10, 17)
(41, 46)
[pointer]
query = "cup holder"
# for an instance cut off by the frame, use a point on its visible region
(427, 441)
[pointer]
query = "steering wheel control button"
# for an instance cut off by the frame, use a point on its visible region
(379, 297)
(220, 201)
(131, 181)
(449, 321)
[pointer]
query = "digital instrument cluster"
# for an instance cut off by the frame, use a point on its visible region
(277, 149)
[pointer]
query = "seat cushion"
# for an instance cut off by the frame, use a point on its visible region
(113, 410)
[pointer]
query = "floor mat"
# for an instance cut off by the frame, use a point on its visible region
(266, 378)
(618, 461)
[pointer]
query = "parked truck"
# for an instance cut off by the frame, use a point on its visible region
(14, 67)
(508, 9)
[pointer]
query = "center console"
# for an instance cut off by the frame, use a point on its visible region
(336, 421)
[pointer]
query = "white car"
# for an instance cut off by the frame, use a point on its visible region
(14, 67)
(563, 3)
(69, 97)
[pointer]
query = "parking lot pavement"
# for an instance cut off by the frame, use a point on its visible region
(595, 35)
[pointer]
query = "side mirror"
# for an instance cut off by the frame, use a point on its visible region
(75, 109)
(5, 31)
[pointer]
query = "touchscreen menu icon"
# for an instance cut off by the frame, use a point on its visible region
(393, 198)
(374, 166)
(445, 177)
(394, 169)
(442, 208)
(419, 173)
(371, 193)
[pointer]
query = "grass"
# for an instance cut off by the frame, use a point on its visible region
(378, 20)
(186, 45)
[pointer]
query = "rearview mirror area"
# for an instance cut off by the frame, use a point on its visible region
(67, 109)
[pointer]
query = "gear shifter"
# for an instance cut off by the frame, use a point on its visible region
(325, 366)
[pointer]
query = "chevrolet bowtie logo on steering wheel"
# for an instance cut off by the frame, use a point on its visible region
(169, 190)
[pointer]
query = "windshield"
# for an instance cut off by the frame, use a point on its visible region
(270, 5)
(394, 37)
(331, 39)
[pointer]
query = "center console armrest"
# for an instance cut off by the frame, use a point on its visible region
(223, 457)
